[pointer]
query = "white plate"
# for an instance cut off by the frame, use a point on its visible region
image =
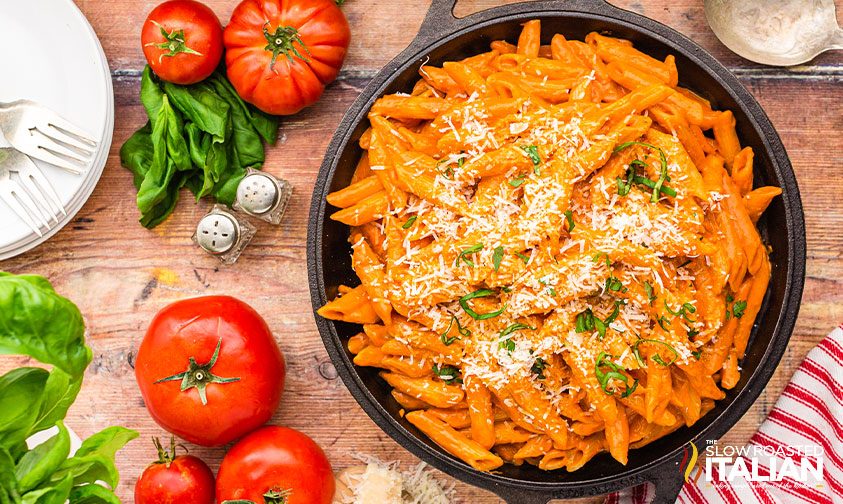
(58, 62)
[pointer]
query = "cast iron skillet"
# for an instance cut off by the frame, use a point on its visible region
(443, 37)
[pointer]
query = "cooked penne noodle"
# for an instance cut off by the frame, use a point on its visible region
(557, 249)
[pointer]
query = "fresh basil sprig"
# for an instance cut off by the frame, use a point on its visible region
(36, 321)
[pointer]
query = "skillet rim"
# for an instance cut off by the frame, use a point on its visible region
(675, 42)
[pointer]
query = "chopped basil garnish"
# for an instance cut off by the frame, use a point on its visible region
(533, 152)
(663, 322)
(515, 327)
(692, 333)
(538, 368)
(657, 186)
(552, 291)
(651, 296)
(697, 354)
(470, 250)
(597, 256)
(614, 284)
(624, 186)
(497, 257)
(662, 189)
(614, 372)
(410, 222)
(507, 344)
(739, 308)
(447, 373)
(523, 257)
(615, 312)
(479, 294)
(460, 329)
(569, 220)
(683, 311)
(587, 322)
(657, 358)
(517, 181)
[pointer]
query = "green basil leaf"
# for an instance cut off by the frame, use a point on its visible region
(59, 393)
(198, 143)
(36, 321)
(247, 141)
(151, 94)
(8, 484)
(202, 105)
(137, 153)
(156, 182)
(42, 461)
(56, 494)
(94, 460)
(225, 190)
(215, 167)
(20, 400)
(92, 494)
(265, 124)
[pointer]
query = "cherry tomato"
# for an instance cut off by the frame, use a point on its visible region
(182, 41)
(281, 54)
(276, 465)
(209, 370)
(172, 479)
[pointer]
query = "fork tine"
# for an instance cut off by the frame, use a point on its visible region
(45, 155)
(30, 172)
(50, 144)
(60, 135)
(68, 127)
(40, 189)
(10, 200)
(23, 205)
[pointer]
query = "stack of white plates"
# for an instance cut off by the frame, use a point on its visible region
(51, 55)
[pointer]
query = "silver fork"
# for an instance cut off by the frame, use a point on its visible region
(29, 194)
(41, 133)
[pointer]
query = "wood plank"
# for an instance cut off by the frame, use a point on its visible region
(120, 274)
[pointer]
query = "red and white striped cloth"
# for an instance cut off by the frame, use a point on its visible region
(808, 417)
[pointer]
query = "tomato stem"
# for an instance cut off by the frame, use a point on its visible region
(173, 41)
(283, 42)
(165, 457)
(199, 375)
(277, 496)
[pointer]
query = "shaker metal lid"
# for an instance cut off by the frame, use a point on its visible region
(257, 193)
(217, 232)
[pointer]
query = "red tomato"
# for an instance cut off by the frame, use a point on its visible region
(182, 41)
(209, 370)
(276, 465)
(172, 479)
(281, 54)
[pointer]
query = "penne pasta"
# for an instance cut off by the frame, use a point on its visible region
(557, 249)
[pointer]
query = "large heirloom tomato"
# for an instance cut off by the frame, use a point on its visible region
(209, 370)
(276, 465)
(281, 54)
(182, 41)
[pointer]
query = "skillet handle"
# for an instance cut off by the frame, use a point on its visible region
(440, 16)
(512, 496)
(668, 480)
(438, 20)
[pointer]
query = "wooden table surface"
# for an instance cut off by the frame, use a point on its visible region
(120, 274)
